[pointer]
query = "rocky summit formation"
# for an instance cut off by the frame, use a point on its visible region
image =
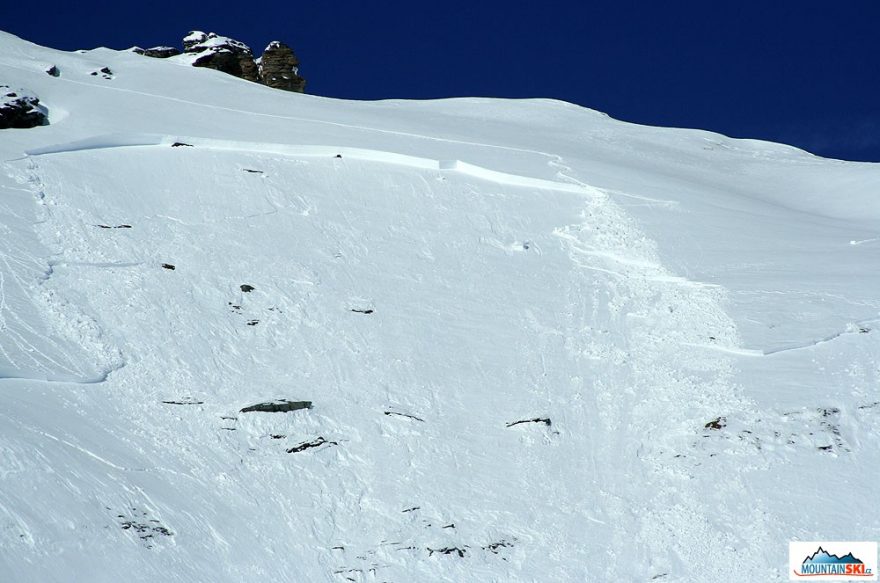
(221, 53)
(20, 108)
(279, 68)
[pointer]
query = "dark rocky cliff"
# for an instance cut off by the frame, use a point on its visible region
(279, 68)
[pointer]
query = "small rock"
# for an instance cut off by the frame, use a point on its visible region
(717, 423)
(407, 415)
(310, 444)
(54, 71)
(161, 52)
(168, 266)
(447, 551)
(105, 72)
(279, 406)
(493, 547)
(545, 420)
(246, 288)
(184, 401)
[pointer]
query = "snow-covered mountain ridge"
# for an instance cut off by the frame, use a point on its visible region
(538, 344)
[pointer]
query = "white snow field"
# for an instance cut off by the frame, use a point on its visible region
(687, 324)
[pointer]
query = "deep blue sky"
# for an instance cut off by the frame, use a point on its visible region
(801, 72)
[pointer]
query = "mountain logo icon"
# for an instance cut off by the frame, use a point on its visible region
(823, 556)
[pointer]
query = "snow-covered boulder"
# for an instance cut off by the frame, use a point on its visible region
(193, 38)
(20, 108)
(221, 53)
(279, 68)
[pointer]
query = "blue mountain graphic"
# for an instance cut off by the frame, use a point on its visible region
(824, 557)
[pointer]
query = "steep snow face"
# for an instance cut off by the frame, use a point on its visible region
(504, 341)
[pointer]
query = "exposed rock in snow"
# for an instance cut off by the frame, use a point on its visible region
(20, 108)
(221, 53)
(279, 68)
(317, 442)
(104, 72)
(193, 38)
(162, 52)
(279, 406)
(545, 420)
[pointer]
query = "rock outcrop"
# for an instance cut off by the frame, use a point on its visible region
(20, 108)
(161, 52)
(279, 68)
(221, 53)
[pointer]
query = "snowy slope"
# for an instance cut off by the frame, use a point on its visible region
(696, 316)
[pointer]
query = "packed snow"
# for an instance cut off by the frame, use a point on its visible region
(253, 335)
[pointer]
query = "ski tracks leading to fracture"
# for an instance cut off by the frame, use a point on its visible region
(73, 347)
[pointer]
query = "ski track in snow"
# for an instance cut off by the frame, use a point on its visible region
(55, 358)
(859, 327)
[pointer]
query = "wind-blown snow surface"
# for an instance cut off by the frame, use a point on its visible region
(697, 317)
